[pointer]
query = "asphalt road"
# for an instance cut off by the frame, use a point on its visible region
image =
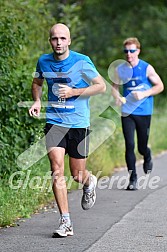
(120, 221)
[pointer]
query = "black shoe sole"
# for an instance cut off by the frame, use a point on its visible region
(147, 167)
(132, 186)
(131, 189)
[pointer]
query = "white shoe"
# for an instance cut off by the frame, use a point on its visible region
(89, 197)
(65, 229)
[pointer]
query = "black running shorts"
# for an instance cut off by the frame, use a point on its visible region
(74, 140)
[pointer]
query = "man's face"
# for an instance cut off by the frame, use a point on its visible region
(60, 41)
(131, 53)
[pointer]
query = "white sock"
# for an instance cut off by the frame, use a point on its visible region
(90, 187)
(66, 216)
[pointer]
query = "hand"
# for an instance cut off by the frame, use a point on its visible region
(35, 109)
(138, 95)
(65, 91)
(120, 100)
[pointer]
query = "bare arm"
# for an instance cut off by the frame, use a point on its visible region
(36, 94)
(115, 90)
(98, 86)
(157, 88)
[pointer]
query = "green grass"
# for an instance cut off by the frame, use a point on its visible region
(20, 197)
(158, 133)
(19, 203)
(32, 193)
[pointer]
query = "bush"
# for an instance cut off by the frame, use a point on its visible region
(18, 49)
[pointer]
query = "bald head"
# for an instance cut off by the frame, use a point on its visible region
(57, 28)
(60, 40)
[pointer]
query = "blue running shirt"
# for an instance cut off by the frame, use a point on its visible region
(76, 71)
(138, 82)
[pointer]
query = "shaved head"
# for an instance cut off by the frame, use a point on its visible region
(60, 27)
(60, 40)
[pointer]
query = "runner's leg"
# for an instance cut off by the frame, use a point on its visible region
(82, 175)
(79, 171)
(128, 127)
(143, 129)
(56, 157)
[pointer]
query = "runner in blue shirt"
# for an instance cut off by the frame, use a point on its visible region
(71, 78)
(140, 83)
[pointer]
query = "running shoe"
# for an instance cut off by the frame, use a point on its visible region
(89, 197)
(65, 229)
(147, 166)
(132, 186)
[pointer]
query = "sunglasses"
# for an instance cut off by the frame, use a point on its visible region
(130, 50)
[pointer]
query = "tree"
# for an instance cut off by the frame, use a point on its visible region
(110, 22)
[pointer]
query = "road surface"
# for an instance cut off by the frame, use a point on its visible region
(120, 221)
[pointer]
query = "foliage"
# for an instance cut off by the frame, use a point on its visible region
(69, 14)
(19, 44)
(113, 21)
